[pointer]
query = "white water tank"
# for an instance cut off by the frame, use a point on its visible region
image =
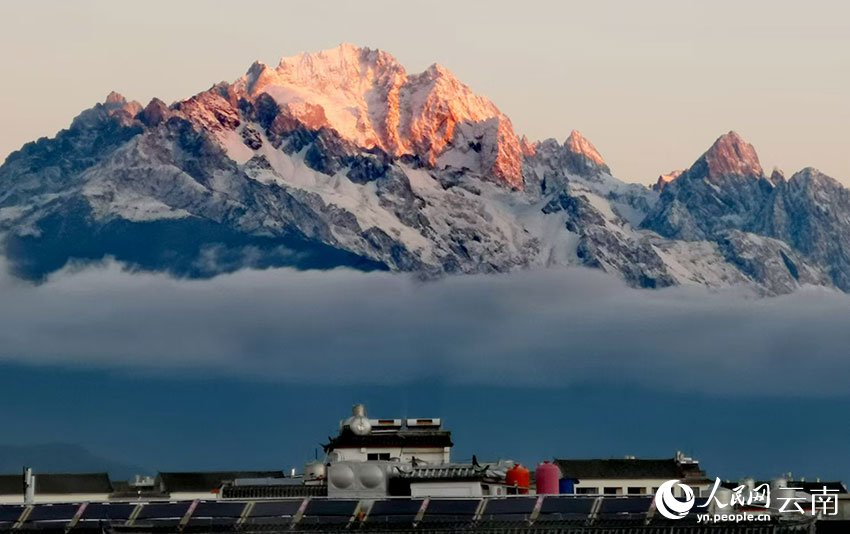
(358, 422)
(723, 496)
(351, 479)
(314, 471)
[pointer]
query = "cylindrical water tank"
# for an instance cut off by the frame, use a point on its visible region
(724, 497)
(314, 470)
(341, 476)
(519, 477)
(547, 475)
(566, 486)
(778, 483)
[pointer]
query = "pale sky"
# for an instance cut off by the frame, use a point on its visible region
(650, 83)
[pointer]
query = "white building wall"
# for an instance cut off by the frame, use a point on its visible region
(445, 489)
(46, 498)
(193, 495)
(648, 485)
(431, 455)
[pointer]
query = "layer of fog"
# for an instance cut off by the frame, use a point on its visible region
(544, 327)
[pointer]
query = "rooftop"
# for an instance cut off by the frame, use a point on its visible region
(400, 438)
(206, 481)
(58, 484)
(629, 468)
(452, 472)
(807, 486)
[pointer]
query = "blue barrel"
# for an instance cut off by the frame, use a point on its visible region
(566, 486)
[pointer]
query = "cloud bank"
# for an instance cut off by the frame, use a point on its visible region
(550, 327)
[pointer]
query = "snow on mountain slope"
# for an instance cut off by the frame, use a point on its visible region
(340, 158)
(725, 188)
(370, 100)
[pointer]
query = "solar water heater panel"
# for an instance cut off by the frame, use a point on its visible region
(511, 506)
(629, 505)
(108, 512)
(164, 510)
(453, 507)
(53, 512)
(10, 513)
(567, 505)
(276, 508)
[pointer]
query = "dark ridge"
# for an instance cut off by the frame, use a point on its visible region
(190, 247)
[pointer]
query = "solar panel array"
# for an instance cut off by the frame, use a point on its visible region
(392, 514)
(630, 506)
(456, 513)
(507, 511)
(54, 512)
(163, 510)
(388, 514)
(566, 508)
(108, 512)
(10, 513)
(328, 512)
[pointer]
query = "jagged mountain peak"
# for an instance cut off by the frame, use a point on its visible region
(579, 144)
(724, 189)
(115, 100)
(664, 179)
(777, 176)
(338, 66)
(115, 97)
(343, 68)
(342, 158)
(814, 177)
(114, 105)
(527, 147)
(369, 99)
(732, 155)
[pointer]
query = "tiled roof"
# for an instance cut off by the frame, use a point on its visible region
(273, 491)
(627, 468)
(452, 471)
(203, 481)
(403, 438)
(58, 483)
(808, 486)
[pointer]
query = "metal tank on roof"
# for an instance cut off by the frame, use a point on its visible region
(314, 472)
(358, 422)
(546, 478)
(349, 479)
(778, 483)
(519, 477)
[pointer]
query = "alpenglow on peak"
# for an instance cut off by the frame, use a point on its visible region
(340, 158)
(578, 144)
(731, 155)
(371, 100)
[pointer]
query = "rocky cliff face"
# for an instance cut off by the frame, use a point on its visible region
(664, 179)
(370, 100)
(723, 189)
(725, 197)
(341, 158)
(810, 213)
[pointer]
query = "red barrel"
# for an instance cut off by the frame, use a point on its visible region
(518, 476)
(547, 476)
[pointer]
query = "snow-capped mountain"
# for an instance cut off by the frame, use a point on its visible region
(342, 158)
(368, 98)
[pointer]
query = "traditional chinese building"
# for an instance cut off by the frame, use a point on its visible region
(629, 476)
